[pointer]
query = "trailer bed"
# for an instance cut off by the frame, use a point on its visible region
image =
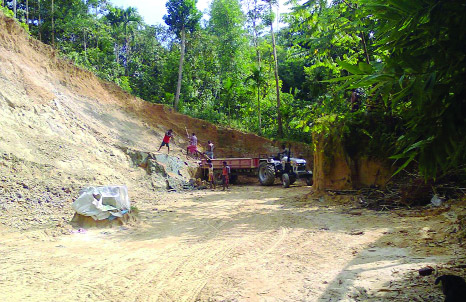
(238, 166)
(234, 163)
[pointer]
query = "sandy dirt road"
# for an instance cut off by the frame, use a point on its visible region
(251, 243)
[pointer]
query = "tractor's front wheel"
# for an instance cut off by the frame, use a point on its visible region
(286, 180)
(266, 174)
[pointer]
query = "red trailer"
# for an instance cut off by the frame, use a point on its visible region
(238, 166)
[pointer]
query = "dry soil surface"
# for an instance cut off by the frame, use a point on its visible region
(249, 243)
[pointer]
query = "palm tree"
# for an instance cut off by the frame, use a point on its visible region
(115, 20)
(257, 77)
(129, 15)
(182, 17)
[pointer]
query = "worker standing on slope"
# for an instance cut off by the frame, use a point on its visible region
(192, 148)
(210, 150)
(166, 140)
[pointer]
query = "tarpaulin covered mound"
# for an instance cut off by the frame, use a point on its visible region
(102, 206)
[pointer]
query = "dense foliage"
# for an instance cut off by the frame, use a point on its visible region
(390, 73)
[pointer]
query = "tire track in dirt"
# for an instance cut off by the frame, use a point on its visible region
(183, 279)
(179, 274)
(206, 259)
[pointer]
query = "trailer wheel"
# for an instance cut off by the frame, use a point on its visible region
(285, 180)
(233, 179)
(266, 174)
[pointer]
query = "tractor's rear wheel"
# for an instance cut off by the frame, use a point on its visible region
(266, 174)
(292, 179)
(285, 180)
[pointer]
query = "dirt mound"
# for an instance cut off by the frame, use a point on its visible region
(63, 129)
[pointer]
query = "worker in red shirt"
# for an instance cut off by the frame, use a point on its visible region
(225, 175)
(166, 140)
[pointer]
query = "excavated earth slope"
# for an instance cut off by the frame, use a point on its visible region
(62, 129)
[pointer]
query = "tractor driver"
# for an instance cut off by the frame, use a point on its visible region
(283, 152)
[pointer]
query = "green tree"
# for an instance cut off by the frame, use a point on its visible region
(226, 24)
(258, 78)
(255, 13)
(320, 34)
(203, 79)
(129, 15)
(147, 63)
(182, 17)
(420, 75)
(275, 63)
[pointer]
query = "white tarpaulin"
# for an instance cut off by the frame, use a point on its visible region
(102, 202)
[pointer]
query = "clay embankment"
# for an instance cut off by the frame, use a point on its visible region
(335, 169)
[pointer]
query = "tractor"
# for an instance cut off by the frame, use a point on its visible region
(285, 167)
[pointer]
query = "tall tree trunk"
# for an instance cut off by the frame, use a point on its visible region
(126, 49)
(363, 40)
(258, 54)
(180, 69)
(14, 8)
(85, 43)
(27, 13)
(259, 108)
(40, 23)
(53, 27)
(117, 53)
(277, 80)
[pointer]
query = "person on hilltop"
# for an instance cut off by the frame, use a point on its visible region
(166, 140)
(210, 150)
(225, 175)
